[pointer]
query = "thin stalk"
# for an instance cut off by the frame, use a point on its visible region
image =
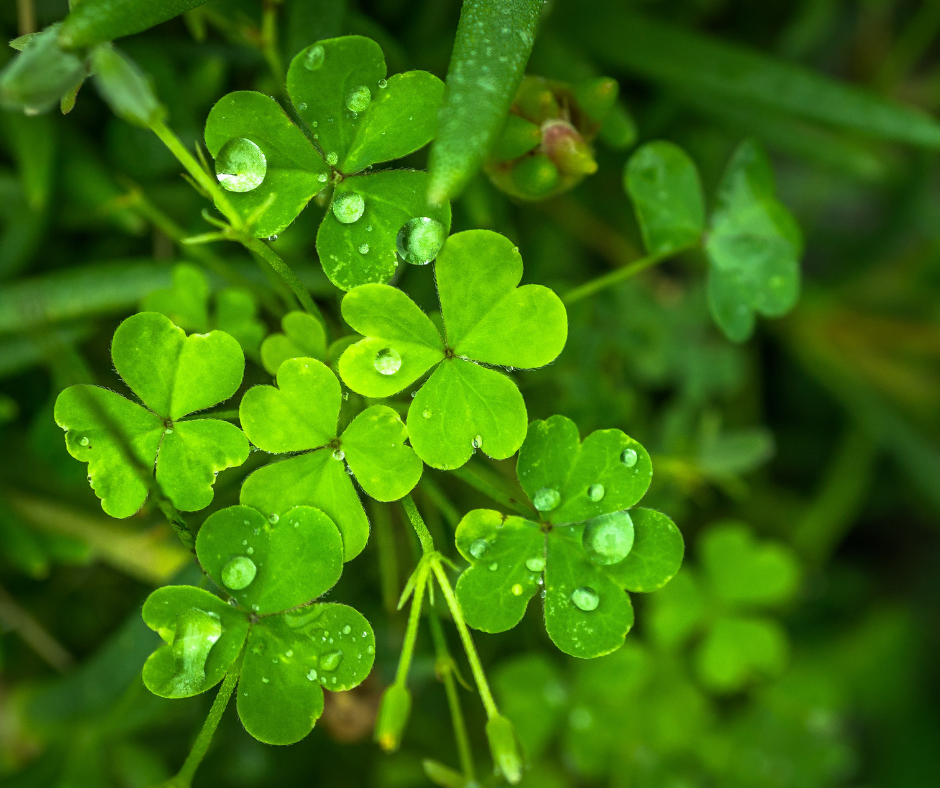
(445, 669)
(473, 658)
(472, 476)
(411, 633)
(286, 273)
(614, 277)
(269, 42)
(16, 619)
(424, 535)
(26, 16)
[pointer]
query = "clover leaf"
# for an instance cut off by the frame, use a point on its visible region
(303, 337)
(174, 375)
(741, 578)
(586, 551)
(357, 118)
(186, 303)
(271, 568)
(300, 415)
(753, 247)
(488, 319)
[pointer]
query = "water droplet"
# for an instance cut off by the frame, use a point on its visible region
(331, 158)
(517, 590)
(169, 430)
(330, 661)
(240, 165)
(546, 499)
(479, 548)
(301, 106)
(387, 361)
(339, 454)
(363, 248)
(314, 57)
(273, 519)
(358, 99)
(596, 492)
(629, 457)
(289, 652)
(477, 442)
(585, 599)
(195, 633)
(370, 649)
(265, 680)
(84, 442)
(419, 240)
(426, 413)
(348, 207)
(383, 83)
(238, 573)
(494, 566)
(536, 564)
(608, 539)
(347, 629)
(311, 675)
(322, 177)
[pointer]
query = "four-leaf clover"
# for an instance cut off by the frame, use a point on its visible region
(300, 415)
(174, 375)
(488, 319)
(290, 649)
(585, 551)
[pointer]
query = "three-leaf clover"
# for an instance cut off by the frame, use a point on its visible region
(301, 336)
(290, 650)
(488, 319)
(740, 577)
(300, 415)
(357, 118)
(174, 375)
(584, 552)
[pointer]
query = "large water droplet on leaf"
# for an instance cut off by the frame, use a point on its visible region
(387, 361)
(535, 564)
(479, 548)
(477, 442)
(314, 57)
(419, 240)
(596, 492)
(238, 573)
(339, 454)
(358, 99)
(330, 661)
(608, 539)
(546, 499)
(240, 165)
(585, 599)
(629, 457)
(348, 207)
(517, 590)
(195, 635)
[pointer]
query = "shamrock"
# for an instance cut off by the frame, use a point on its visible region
(586, 550)
(740, 577)
(271, 569)
(302, 336)
(300, 415)
(463, 406)
(186, 303)
(357, 119)
(173, 375)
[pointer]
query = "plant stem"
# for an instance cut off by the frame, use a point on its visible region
(414, 619)
(614, 277)
(436, 495)
(472, 476)
(472, 657)
(424, 535)
(286, 273)
(269, 42)
(16, 619)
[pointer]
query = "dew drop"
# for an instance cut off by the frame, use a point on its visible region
(273, 519)
(194, 636)
(240, 165)
(387, 361)
(348, 207)
(331, 158)
(347, 629)
(479, 548)
(314, 57)
(301, 106)
(546, 499)
(322, 177)
(517, 590)
(477, 442)
(84, 442)
(358, 99)
(383, 83)
(596, 492)
(363, 248)
(629, 457)
(536, 564)
(494, 566)
(426, 413)
(420, 239)
(330, 661)
(238, 573)
(585, 599)
(311, 675)
(608, 539)
(339, 454)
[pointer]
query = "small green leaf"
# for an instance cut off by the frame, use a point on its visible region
(664, 185)
(287, 174)
(204, 637)
(738, 650)
(609, 472)
(374, 445)
(303, 337)
(36, 79)
(236, 313)
(366, 250)
(186, 303)
(290, 658)
(125, 88)
(676, 611)
(656, 554)
(269, 567)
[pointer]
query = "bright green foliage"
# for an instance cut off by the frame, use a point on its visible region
(95, 21)
(174, 376)
(125, 88)
(36, 78)
(186, 303)
(587, 613)
(664, 185)
(300, 415)
(290, 650)
(357, 118)
(754, 247)
(739, 577)
(488, 319)
(304, 337)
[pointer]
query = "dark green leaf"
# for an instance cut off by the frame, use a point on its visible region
(738, 650)
(94, 21)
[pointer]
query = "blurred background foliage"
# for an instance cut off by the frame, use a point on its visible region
(799, 645)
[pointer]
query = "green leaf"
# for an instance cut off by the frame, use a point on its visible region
(269, 567)
(753, 248)
(186, 303)
(664, 185)
(203, 635)
(486, 315)
(36, 79)
(174, 374)
(287, 174)
(676, 611)
(738, 650)
(490, 52)
(462, 407)
(236, 313)
(125, 88)
(656, 554)
(338, 87)
(303, 337)
(366, 250)
(290, 657)
(572, 482)
(94, 21)
(743, 571)
(90, 417)
(374, 444)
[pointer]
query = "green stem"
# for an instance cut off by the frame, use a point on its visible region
(185, 775)
(473, 476)
(424, 535)
(269, 42)
(472, 657)
(445, 669)
(614, 277)
(411, 633)
(286, 273)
